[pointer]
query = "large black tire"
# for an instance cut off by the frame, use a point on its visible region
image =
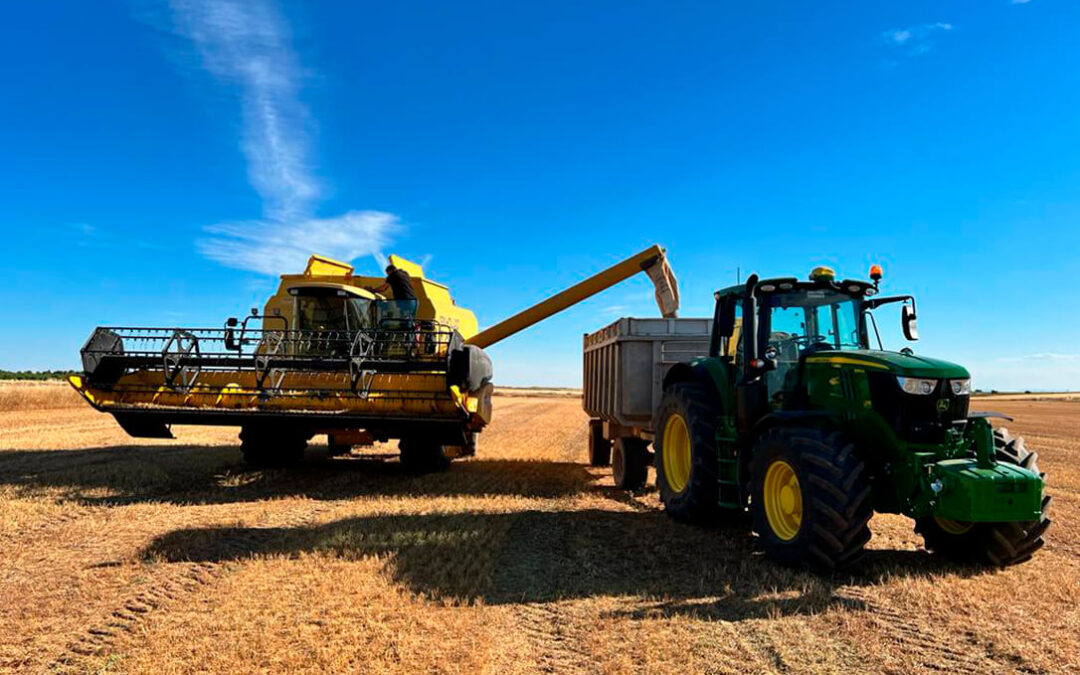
(630, 463)
(694, 497)
(599, 447)
(268, 446)
(421, 455)
(832, 498)
(993, 544)
(336, 449)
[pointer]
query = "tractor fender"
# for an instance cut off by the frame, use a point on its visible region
(814, 418)
(690, 372)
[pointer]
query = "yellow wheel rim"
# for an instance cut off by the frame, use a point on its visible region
(676, 453)
(783, 500)
(953, 526)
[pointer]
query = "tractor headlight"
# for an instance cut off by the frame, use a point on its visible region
(920, 386)
(960, 387)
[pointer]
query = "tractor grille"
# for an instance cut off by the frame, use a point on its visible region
(916, 419)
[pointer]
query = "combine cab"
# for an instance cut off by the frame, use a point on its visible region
(326, 355)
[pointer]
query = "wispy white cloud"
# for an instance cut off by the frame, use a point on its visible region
(247, 44)
(915, 40)
(275, 248)
(1045, 356)
(1020, 2)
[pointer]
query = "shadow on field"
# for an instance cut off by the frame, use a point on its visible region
(186, 474)
(543, 556)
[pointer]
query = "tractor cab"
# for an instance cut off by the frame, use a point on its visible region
(769, 328)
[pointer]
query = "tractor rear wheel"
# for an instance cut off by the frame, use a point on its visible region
(267, 446)
(995, 544)
(599, 446)
(686, 456)
(422, 455)
(810, 500)
(630, 464)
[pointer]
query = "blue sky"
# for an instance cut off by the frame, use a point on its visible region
(159, 162)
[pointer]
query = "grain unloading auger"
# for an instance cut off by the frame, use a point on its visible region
(326, 355)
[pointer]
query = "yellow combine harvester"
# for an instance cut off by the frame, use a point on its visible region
(326, 355)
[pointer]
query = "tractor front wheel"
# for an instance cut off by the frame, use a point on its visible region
(810, 500)
(994, 544)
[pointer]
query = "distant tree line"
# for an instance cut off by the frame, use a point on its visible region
(35, 374)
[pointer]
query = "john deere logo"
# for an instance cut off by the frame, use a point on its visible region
(942, 404)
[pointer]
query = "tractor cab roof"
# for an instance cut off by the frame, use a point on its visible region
(820, 279)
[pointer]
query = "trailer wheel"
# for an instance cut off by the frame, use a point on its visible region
(686, 455)
(630, 464)
(265, 446)
(810, 500)
(994, 544)
(599, 447)
(422, 455)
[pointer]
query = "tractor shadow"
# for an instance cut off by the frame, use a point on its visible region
(187, 475)
(662, 568)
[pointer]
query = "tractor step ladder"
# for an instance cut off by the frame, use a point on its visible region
(727, 466)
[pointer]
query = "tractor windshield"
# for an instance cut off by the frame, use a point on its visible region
(800, 321)
(812, 319)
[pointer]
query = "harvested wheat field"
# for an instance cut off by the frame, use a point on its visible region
(129, 556)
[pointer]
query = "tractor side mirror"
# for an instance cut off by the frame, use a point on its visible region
(230, 333)
(909, 322)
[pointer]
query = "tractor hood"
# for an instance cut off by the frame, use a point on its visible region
(907, 365)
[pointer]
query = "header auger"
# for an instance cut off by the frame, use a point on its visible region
(325, 355)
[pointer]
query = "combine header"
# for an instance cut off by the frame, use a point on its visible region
(326, 355)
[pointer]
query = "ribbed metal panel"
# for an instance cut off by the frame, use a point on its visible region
(626, 361)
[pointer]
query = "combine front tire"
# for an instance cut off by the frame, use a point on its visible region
(421, 455)
(994, 544)
(686, 456)
(271, 447)
(599, 446)
(630, 464)
(810, 501)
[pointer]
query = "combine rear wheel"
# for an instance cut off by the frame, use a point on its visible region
(686, 456)
(810, 501)
(422, 455)
(599, 447)
(267, 446)
(630, 464)
(995, 544)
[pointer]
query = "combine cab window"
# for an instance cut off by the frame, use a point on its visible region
(330, 313)
(321, 314)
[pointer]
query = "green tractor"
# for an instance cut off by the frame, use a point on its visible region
(795, 416)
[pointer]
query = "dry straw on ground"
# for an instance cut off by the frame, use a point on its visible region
(163, 557)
